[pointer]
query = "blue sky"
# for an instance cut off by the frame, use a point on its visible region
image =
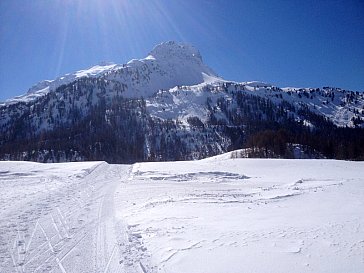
(286, 43)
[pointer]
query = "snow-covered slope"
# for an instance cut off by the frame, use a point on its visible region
(169, 64)
(43, 87)
(343, 108)
(214, 215)
(91, 72)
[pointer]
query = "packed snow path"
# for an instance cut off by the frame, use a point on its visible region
(214, 215)
(60, 218)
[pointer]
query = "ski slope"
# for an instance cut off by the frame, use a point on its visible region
(213, 215)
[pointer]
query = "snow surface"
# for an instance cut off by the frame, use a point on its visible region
(213, 215)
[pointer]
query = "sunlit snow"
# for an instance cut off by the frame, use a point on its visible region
(213, 215)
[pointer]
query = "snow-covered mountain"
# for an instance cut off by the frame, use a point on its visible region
(168, 65)
(170, 106)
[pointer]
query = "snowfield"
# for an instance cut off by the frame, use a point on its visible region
(213, 215)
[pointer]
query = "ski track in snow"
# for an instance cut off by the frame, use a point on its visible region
(212, 215)
(60, 223)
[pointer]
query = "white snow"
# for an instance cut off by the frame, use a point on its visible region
(168, 65)
(213, 215)
(42, 88)
(91, 72)
(95, 70)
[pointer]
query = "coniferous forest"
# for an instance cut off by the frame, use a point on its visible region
(80, 121)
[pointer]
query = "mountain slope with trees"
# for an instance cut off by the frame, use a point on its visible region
(171, 106)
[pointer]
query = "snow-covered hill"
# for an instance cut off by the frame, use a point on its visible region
(214, 215)
(171, 106)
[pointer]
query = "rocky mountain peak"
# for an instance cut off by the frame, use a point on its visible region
(174, 50)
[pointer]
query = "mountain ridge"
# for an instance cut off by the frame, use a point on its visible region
(171, 106)
(169, 58)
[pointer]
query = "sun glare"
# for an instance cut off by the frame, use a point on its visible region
(113, 27)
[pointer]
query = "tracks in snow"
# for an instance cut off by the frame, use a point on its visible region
(70, 230)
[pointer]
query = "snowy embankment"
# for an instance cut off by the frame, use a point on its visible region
(212, 215)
